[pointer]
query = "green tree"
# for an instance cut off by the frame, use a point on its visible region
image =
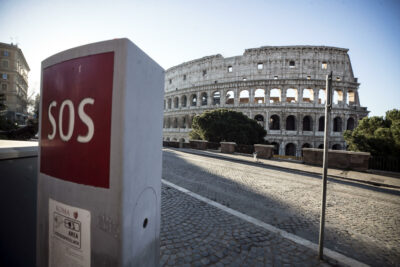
(377, 135)
(227, 125)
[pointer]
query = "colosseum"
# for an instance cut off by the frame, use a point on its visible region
(281, 87)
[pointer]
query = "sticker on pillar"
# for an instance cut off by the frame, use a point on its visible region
(76, 120)
(69, 235)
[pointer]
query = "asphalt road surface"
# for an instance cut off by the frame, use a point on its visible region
(362, 222)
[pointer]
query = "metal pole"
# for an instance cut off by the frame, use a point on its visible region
(328, 107)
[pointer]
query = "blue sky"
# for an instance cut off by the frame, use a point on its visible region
(172, 32)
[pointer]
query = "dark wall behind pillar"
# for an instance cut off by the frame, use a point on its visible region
(18, 184)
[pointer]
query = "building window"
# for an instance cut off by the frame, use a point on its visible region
(292, 64)
(338, 79)
(170, 81)
(260, 66)
(4, 76)
(5, 53)
(230, 69)
(4, 87)
(5, 64)
(275, 77)
(324, 65)
(204, 72)
(184, 77)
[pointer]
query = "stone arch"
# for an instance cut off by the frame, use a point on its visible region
(276, 148)
(193, 100)
(337, 96)
(203, 99)
(176, 102)
(274, 122)
(350, 124)
(321, 96)
(259, 96)
(183, 101)
(244, 96)
(167, 139)
(307, 123)
(230, 97)
(291, 123)
(260, 119)
(216, 98)
(290, 149)
(308, 95)
(321, 146)
(174, 139)
(291, 95)
(321, 124)
(337, 124)
(351, 97)
(275, 95)
(337, 147)
(182, 140)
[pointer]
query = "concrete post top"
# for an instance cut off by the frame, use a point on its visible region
(261, 145)
(17, 149)
(338, 151)
(228, 143)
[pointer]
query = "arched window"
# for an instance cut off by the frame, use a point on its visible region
(337, 124)
(169, 103)
(337, 96)
(274, 122)
(183, 101)
(290, 123)
(260, 119)
(191, 120)
(350, 124)
(290, 149)
(351, 98)
(182, 140)
(230, 97)
(321, 146)
(204, 99)
(165, 104)
(291, 95)
(169, 124)
(321, 96)
(244, 97)
(275, 96)
(174, 139)
(167, 139)
(308, 95)
(176, 102)
(276, 148)
(307, 123)
(183, 125)
(193, 101)
(259, 96)
(216, 98)
(337, 147)
(321, 124)
(175, 123)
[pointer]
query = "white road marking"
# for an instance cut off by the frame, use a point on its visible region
(342, 259)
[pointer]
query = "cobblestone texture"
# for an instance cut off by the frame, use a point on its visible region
(361, 223)
(196, 234)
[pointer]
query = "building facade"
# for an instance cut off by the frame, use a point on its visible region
(14, 82)
(282, 87)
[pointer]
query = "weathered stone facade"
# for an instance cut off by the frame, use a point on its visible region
(282, 87)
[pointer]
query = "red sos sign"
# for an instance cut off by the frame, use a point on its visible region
(76, 120)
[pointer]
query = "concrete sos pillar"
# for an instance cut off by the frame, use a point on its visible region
(99, 182)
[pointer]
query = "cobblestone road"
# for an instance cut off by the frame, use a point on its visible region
(362, 223)
(194, 233)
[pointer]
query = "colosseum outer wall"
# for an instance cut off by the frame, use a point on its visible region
(281, 87)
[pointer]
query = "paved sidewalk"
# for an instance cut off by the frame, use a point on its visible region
(194, 233)
(363, 177)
